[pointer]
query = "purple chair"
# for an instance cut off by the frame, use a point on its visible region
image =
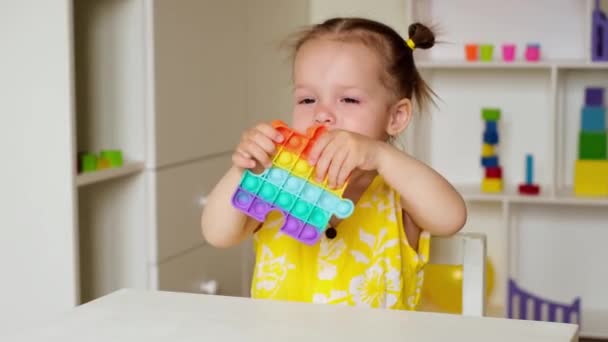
(519, 301)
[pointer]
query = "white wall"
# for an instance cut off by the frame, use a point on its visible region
(37, 238)
(395, 15)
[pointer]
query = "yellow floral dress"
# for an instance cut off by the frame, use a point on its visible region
(369, 263)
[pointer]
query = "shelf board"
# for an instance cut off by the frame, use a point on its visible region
(473, 193)
(498, 64)
(107, 174)
(458, 64)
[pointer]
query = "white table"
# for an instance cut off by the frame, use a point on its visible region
(134, 315)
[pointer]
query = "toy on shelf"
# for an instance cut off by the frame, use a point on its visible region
(471, 52)
(289, 187)
(486, 52)
(529, 188)
(492, 181)
(532, 53)
(90, 162)
(508, 52)
(599, 34)
(591, 166)
(520, 301)
(113, 157)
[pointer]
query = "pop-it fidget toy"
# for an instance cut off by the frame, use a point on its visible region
(289, 187)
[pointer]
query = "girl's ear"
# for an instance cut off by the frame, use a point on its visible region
(400, 116)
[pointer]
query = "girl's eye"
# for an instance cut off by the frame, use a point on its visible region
(306, 101)
(350, 100)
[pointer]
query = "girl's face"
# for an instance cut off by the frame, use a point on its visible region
(338, 84)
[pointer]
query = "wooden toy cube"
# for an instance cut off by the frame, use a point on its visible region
(593, 119)
(491, 185)
(591, 178)
(592, 145)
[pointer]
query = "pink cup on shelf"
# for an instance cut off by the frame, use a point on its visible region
(533, 52)
(508, 52)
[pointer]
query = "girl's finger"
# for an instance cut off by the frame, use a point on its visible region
(258, 153)
(269, 132)
(347, 167)
(318, 148)
(262, 140)
(240, 151)
(325, 159)
(243, 162)
(336, 165)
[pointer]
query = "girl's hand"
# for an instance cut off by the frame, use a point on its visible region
(337, 153)
(256, 147)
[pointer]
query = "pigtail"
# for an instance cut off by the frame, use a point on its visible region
(422, 37)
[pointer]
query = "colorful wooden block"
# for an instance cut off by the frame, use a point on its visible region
(493, 172)
(490, 137)
(487, 150)
(114, 157)
(594, 96)
(529, 169)
(593, 119)
(529, 189)
(88, 162)
(489, 161)
(103, 163)
(490, 114)
(492, 126)
(591, 178)
(491, 185)
(592, 145)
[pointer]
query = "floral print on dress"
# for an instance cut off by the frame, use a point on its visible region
(369, 263)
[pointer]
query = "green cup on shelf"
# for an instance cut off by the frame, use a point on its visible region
(113, 156)
(88, 162)
(486, 52)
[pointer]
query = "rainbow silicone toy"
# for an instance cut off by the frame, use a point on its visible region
(289, 187)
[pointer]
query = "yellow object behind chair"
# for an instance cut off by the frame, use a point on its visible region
(442, 287)
(591, 178)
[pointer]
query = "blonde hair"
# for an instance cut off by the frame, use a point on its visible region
(400, 74)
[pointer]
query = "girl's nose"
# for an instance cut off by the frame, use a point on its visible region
(324, 116)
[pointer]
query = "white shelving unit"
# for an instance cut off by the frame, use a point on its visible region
(129, 168)
(559, 65)
(159, 81)
(546, 242)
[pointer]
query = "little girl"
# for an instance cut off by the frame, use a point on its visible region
(356, 77)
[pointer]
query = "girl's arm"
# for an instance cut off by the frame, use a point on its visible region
(222, 225)
(427, 197)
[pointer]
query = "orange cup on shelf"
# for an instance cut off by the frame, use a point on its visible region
(471, 52)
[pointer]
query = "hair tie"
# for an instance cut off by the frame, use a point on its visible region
(410, 43)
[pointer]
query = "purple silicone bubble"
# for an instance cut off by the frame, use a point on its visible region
(309, 235)
(292, 226)
(242, 199)
(259, 209)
